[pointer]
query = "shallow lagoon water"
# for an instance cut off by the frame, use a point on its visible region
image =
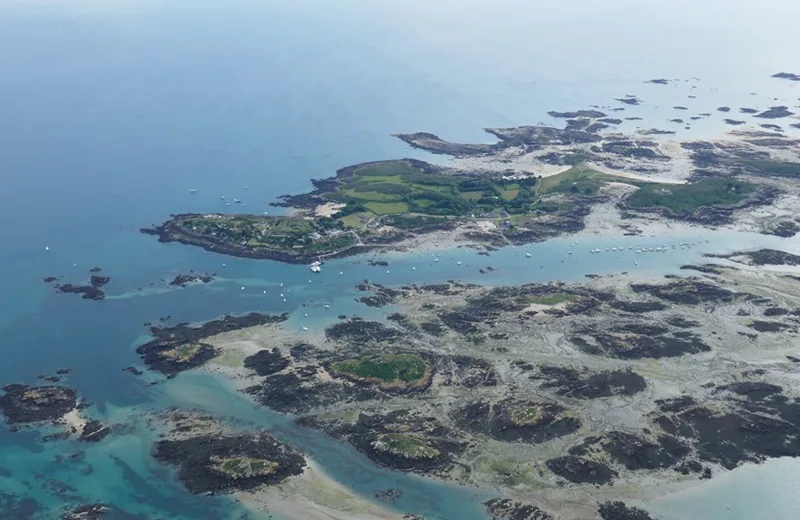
(123, 472)
(111, 111)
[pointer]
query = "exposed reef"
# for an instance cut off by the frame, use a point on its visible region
(763, 257)
(181, 347)
(787, 75)
(22, 404)
(629, 100)
(184, 280)
(224, 463)
(99, 511)
(517, 421)
(93, 290)
(582, 385)
(402, 439)
(507, 509)
(619, 511)
(776, 112)
(552, 387)
(581, 471)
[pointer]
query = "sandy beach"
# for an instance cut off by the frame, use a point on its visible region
(74, 421)
(314, 496)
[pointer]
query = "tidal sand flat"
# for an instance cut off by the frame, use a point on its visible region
(561, 396)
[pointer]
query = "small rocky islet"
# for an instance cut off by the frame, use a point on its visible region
(91, 290)
(29, 406)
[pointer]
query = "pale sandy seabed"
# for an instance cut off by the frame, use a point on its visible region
(74, 421)
(313, 495)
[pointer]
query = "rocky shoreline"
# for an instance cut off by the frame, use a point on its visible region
(181, 347)
(510, 396)
(715, 183)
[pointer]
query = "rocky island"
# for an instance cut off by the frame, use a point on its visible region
(39, 406)
(535, 183)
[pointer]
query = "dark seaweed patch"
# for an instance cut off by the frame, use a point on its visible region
(585, 385)
(516, 421)
(580, 470)
(195, 460)
(267, 362)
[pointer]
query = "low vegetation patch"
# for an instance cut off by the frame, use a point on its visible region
(243, 467)
(405, 368)
(684, 199)
(182, 353)
(527, 415)
(405, 446)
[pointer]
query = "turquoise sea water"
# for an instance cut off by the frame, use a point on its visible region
(111, 111)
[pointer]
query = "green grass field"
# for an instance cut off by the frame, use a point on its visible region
(684, 199)
(408, 445)
(387, 208)
(387, 368)
(394, 187)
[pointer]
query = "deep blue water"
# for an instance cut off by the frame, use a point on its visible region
(111, 111)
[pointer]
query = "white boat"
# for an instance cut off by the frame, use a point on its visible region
(327, 306)
(193, 190)
(305, 328)
(528, 255)
(315, 267)
(237, 201)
